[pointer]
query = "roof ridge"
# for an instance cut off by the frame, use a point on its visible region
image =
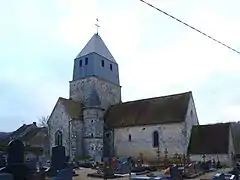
(214, 124)
(158, 97)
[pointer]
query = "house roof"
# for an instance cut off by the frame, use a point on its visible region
(96, 45)
(159, 110)
(73, 108)
(30, 134)
(209, 139)
(20, 130)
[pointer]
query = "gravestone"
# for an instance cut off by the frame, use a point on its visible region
(15, 152)
(58, 158)
(219, 166)
(15, 161)
(58, 162)
(175, 173)
(123, 166)
(209, 164)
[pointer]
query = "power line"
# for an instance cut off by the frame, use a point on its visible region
(195, 29)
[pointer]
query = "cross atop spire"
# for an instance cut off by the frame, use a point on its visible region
(97, 26)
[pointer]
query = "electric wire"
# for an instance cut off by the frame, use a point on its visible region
(195, 29)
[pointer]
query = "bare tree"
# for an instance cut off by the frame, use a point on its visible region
(42, 122)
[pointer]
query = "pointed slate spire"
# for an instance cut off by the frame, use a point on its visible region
(93, 100)
(96, 44)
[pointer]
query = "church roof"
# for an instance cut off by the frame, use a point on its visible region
(209, 139)
(73, 108)
(96, 44)
(159, 110)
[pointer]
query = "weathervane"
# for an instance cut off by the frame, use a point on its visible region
(97, 26)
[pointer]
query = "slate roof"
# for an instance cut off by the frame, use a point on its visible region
(32, 133)
(96, 44)
(73, 108)
(159, 110)
(209, 139)
(20, 130)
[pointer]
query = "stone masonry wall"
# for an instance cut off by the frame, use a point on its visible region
(93, 132)
(175, 137)
(109, 93)
(170, 136)
(76, 135)
(59, 120)
(191, 120)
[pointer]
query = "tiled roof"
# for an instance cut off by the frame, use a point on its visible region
(209, 139)
(73, 108)
(159, 110)
(96, 44)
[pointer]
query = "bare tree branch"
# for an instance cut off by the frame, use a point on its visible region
(42, 122)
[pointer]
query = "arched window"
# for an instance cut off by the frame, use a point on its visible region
(58, 138)
(155, 139)
(129, 137)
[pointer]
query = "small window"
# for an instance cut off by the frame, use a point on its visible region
(155, 139)
(58, 138)
(92, 121)
(86, 61)
(102, 63)
(91, 134)
(108, 135)
(80, 63)
(191, 113)
(129, 137)
(111, 67)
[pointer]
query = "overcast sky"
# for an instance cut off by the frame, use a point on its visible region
(39, 40)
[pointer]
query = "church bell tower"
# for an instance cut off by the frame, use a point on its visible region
(95, 67)
(96, 84)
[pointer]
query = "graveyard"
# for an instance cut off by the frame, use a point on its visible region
(61, 168)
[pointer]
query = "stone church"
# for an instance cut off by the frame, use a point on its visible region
(95, 122)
